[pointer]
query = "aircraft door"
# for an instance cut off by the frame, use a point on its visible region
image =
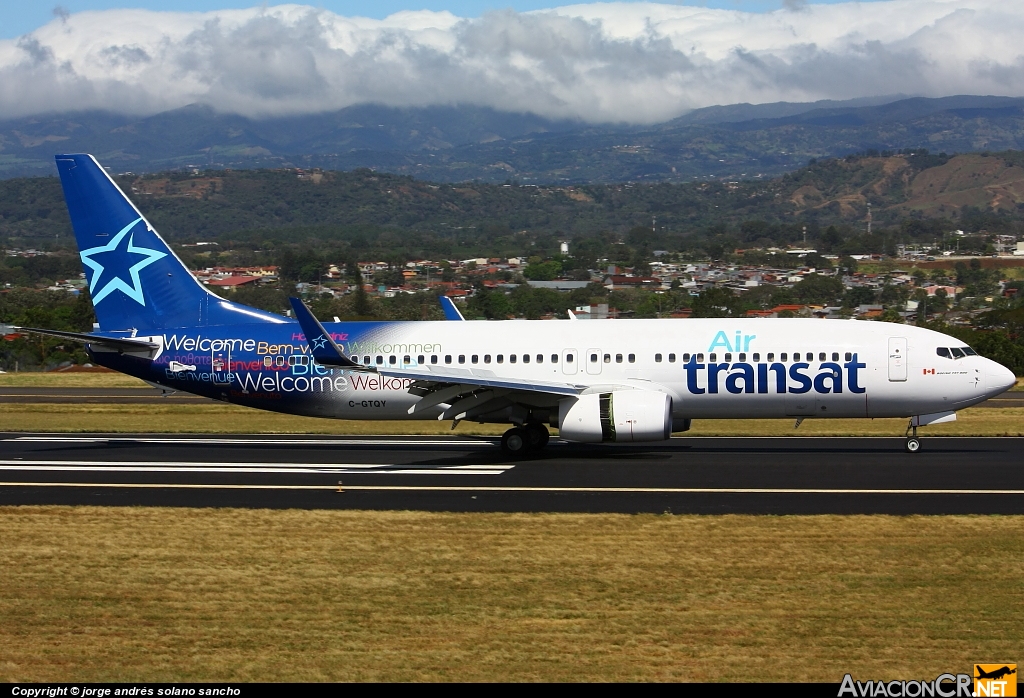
(897, 358)
(220, 363)
(593, 358)
(569, 361)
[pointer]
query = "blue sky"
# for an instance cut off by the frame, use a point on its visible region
(18, 17)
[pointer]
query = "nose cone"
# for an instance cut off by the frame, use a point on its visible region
(1000, 378)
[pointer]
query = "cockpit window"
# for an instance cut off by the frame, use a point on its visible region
(943, 352)
(957, 353)
(968, 351)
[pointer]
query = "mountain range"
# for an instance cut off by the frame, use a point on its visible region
(462, 142)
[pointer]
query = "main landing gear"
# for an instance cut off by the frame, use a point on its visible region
(913, 443)
(528, 438)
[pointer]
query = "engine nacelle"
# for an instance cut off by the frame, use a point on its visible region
(622, 415)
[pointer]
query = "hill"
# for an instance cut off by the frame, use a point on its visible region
(464, 143)
(916, 195)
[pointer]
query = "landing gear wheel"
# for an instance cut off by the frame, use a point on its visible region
(514, 442)
(537, 436)
(913, 445)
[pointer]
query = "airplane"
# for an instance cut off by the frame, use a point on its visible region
(611, 381)
(995, 674)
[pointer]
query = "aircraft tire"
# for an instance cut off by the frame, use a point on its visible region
(515, 442)
(537, 436)
(913, 445)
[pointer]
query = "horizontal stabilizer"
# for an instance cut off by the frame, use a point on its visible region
(118, 343)
(321, 346)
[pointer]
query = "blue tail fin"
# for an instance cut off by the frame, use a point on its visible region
(135, 280)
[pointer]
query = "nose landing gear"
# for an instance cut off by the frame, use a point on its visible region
(913, 443)
(529, 438)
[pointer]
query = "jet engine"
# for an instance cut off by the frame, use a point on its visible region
(621, 415)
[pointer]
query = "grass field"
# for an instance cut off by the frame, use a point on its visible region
(130, 594)
(220, 418)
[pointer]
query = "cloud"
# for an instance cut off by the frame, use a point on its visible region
(629, 62)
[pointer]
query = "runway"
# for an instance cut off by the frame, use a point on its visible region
(454, 473)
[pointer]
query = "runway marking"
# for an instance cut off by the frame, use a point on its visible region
(596, 490)
(193, 467)
(392, 441)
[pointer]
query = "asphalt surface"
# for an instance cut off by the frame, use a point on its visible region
(457, 473)
(152, 396)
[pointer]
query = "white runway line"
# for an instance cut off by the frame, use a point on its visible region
(594, 490)
(393, 441)
(200, 468)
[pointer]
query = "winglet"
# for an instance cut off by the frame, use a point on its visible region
(572, 315)
(451, 311)
(321, 346)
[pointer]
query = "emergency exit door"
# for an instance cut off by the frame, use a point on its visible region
(220, 364)
(897, 358)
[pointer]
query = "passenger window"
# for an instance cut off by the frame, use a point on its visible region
(367, 360)
(487, 358)
(671, 358)
(757, 358)
(782, 357)
(268, 361)
(593, 358)
(712, 357)
(835, 356)
(944, 353)
(821, 356)
(728, 357)
(406, 360)
(607, 358)
(700, 358)
(462, 358)
(433, 358)
(849, 356)
(475, 358)
(279, 361)
(511, 358)
(526, 358)
(631, 358)
(618, 358)
(292, 360)
(554, 358)
(501, 358)
(743, 357)
(657, 358)
(420, 359)
(380, 360)
(447, 358)
(392, 360)
(957, 353)
(568, 358)
(540, 358)
(771, 356)
(686, 357)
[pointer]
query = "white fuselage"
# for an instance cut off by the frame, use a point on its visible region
(711, 368)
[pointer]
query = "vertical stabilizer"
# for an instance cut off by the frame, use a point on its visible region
(135, 280)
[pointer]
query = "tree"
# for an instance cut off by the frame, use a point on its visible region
(815, 288)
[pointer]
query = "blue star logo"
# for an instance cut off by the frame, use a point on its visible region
(119, 259)
(319, 343)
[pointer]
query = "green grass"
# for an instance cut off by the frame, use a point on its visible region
(163, 594)
(213, 418)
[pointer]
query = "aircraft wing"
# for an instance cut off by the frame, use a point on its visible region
(480, 379)
(451, 311)
(323, 348)
(117, 343)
